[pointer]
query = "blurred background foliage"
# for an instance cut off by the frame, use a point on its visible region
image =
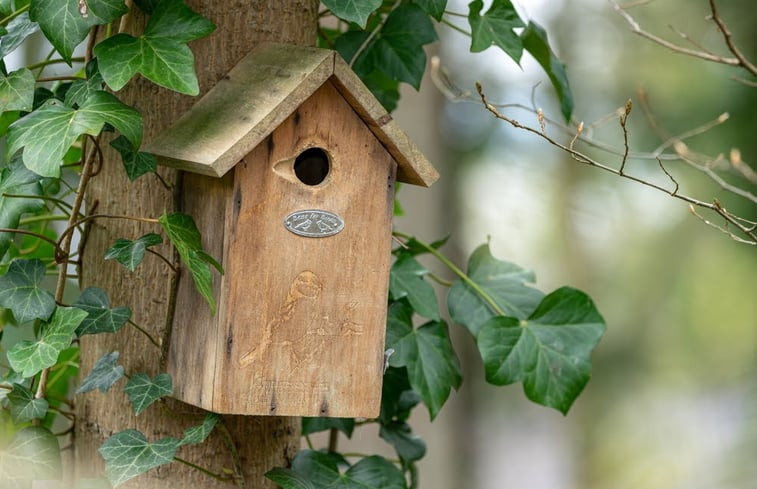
(673, 400)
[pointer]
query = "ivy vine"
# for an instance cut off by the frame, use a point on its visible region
(53, 128)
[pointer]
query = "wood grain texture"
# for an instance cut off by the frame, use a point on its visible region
(301, 321)
(261, 442)
(258, 94)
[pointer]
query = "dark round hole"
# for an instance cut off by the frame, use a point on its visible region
(312, 166)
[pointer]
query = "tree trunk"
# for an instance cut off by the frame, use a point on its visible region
(246, 447)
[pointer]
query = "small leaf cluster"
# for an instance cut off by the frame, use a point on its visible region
(383, 40)
(542, 340)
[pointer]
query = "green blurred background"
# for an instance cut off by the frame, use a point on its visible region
(673, 401)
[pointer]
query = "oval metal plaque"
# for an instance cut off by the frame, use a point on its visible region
(314, 223)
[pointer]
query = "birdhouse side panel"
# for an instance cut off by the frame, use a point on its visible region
(308, 268)
(196, 335)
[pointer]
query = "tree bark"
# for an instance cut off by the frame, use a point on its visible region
(245, 447)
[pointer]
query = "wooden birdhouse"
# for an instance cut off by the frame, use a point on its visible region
(290, 168)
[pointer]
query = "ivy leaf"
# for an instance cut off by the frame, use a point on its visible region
(32, 454)
(136, 163)
(409, 446)
(495, 27)
(314, 425)
(18, 30)
(142, 391)
(16, 179)
(160, 54)
(128, 454)
(550, 352)
(65, 27)
(17, 90)
(316, 470)
(48, 132)
(24, 407)
(130, 253)
(104, 374)
(29, 358)
(397, 50)
(406, 280)
(504, 283)
(100, 318)
(81, 90)
(198, 434)
(434, 8)
(427, 352)
(356, 11)
(20, 291)
(397, 397)
(182, 231)
(535, 41)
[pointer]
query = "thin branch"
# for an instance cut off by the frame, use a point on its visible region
(144, 332)
(636, 29)
(165, 260)
(743, 61)
(623, 118)
(30, 233)
(719, 228)
(582, 158)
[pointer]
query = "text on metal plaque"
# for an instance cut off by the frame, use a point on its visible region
(314, 223)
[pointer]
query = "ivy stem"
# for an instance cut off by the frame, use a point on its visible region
(333, 439)
(60, 78)
(65, 249)
(463, 276)
(30, 233)
(223, 430)
(373, 34)
(68, 232)
(175, 270)
(453, 26)
(44, 218)
(14, 14)
(41, 197)
(309, 442)
(144, 332)
(205, 471)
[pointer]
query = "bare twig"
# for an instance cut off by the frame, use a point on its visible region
(730, 219)
(743, 61)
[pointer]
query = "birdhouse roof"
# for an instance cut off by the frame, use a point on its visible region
(258, 94)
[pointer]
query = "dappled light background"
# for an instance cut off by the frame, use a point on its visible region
(673, 398)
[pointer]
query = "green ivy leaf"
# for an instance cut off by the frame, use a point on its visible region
(81, 90)
(495, 27)
(406, 280)
(182, 231)
(147, 6)
(409, 446)
(20, 291)
(65, 27)
(104, 374)
(128, 454)
(32, 454)
(130, 253)
(160, 54)
(136, 163)
(48, 132)
(6, 7)
(24, 407)
(427, 352)
(397, 397)
(397, 50)
(356, 11)
(434, 8)
(31, 357)
(316, 470)
(18, 30)
(550, 352)
(100, 317)
(16, 179)
(314, 425)
(17, 90)
(504, 282)
(142, 391)
(198, 434)
(535, 41)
